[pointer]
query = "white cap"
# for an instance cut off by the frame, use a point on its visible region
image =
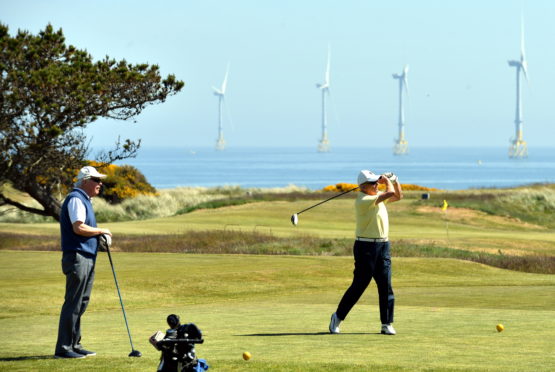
(89, 172)
(367, 176)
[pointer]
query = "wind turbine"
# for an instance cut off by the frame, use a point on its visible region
(401, 145)
(324, 145)
(220, 93)
(518, 147)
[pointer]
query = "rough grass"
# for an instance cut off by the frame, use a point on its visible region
(165, 203)
(241, 242)
(533, 204)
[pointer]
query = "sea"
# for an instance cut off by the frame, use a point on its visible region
(447, 168)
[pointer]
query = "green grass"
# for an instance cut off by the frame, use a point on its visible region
(278, 307)
(415, 220)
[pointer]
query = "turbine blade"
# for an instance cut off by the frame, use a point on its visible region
(523, 62)
(328, 67)
(224, 84)
(522, 53)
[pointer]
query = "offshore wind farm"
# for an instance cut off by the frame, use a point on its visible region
(462, 91)
(518, 147)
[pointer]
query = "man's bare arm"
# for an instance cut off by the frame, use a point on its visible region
(80, 228)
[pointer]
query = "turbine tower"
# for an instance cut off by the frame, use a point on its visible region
(220, 93)
(401, 145)
(518, 147)
(324, 145)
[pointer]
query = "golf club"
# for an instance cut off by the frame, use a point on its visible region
(295, 217)
(108, 241)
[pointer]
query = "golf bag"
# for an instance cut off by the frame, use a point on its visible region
(178, 348)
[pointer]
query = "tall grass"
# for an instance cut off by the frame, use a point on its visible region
(241, 242)
(534, 204)
(166, 203)
(170, 202)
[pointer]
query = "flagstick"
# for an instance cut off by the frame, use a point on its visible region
(444, 209)
(446, 225)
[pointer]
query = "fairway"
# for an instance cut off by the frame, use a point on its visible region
(415, 221)
(278, 308)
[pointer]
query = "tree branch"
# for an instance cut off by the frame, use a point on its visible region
(5, 200)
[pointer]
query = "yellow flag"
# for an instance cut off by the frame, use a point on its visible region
(444, 206)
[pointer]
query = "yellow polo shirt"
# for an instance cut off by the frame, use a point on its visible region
(372, 220)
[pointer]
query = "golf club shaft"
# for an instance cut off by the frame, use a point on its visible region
(120, 300)
(322, 202)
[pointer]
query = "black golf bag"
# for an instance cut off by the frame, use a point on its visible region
(178, 348)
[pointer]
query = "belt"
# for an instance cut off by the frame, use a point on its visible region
(372, 240)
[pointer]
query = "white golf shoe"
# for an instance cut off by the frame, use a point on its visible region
(387, 329)
(334, 323)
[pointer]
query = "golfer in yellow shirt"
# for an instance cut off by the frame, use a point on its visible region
(371, 249)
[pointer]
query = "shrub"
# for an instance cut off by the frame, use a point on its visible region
(123, 182)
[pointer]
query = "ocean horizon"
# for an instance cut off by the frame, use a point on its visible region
(448, 168)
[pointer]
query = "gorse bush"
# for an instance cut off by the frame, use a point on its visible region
(123, 182)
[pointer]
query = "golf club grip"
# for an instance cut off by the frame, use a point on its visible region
(322, 202)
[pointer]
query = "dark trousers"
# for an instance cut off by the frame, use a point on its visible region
(79, 272)
(372, 260)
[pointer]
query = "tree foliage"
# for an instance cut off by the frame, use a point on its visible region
(49, 93)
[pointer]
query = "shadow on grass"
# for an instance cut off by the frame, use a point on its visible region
(29, 357)
(306, 334)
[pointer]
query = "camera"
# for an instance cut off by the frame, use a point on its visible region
(178, 347)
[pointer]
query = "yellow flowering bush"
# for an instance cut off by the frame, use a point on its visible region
(122, 182)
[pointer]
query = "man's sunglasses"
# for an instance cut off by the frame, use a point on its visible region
(97, 180)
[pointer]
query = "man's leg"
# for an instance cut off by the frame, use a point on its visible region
(364, 254)
(383, 282)
(75, 268)
(84, 303)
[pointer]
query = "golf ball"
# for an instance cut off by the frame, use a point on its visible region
(247, 355)
(499, 327)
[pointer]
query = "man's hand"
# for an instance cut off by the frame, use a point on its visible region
(392, 177)
(105, 231)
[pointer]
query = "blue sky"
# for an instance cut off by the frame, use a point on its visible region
(462, 91)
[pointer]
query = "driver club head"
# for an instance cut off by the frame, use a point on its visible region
(135, 353)
(295, 219)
